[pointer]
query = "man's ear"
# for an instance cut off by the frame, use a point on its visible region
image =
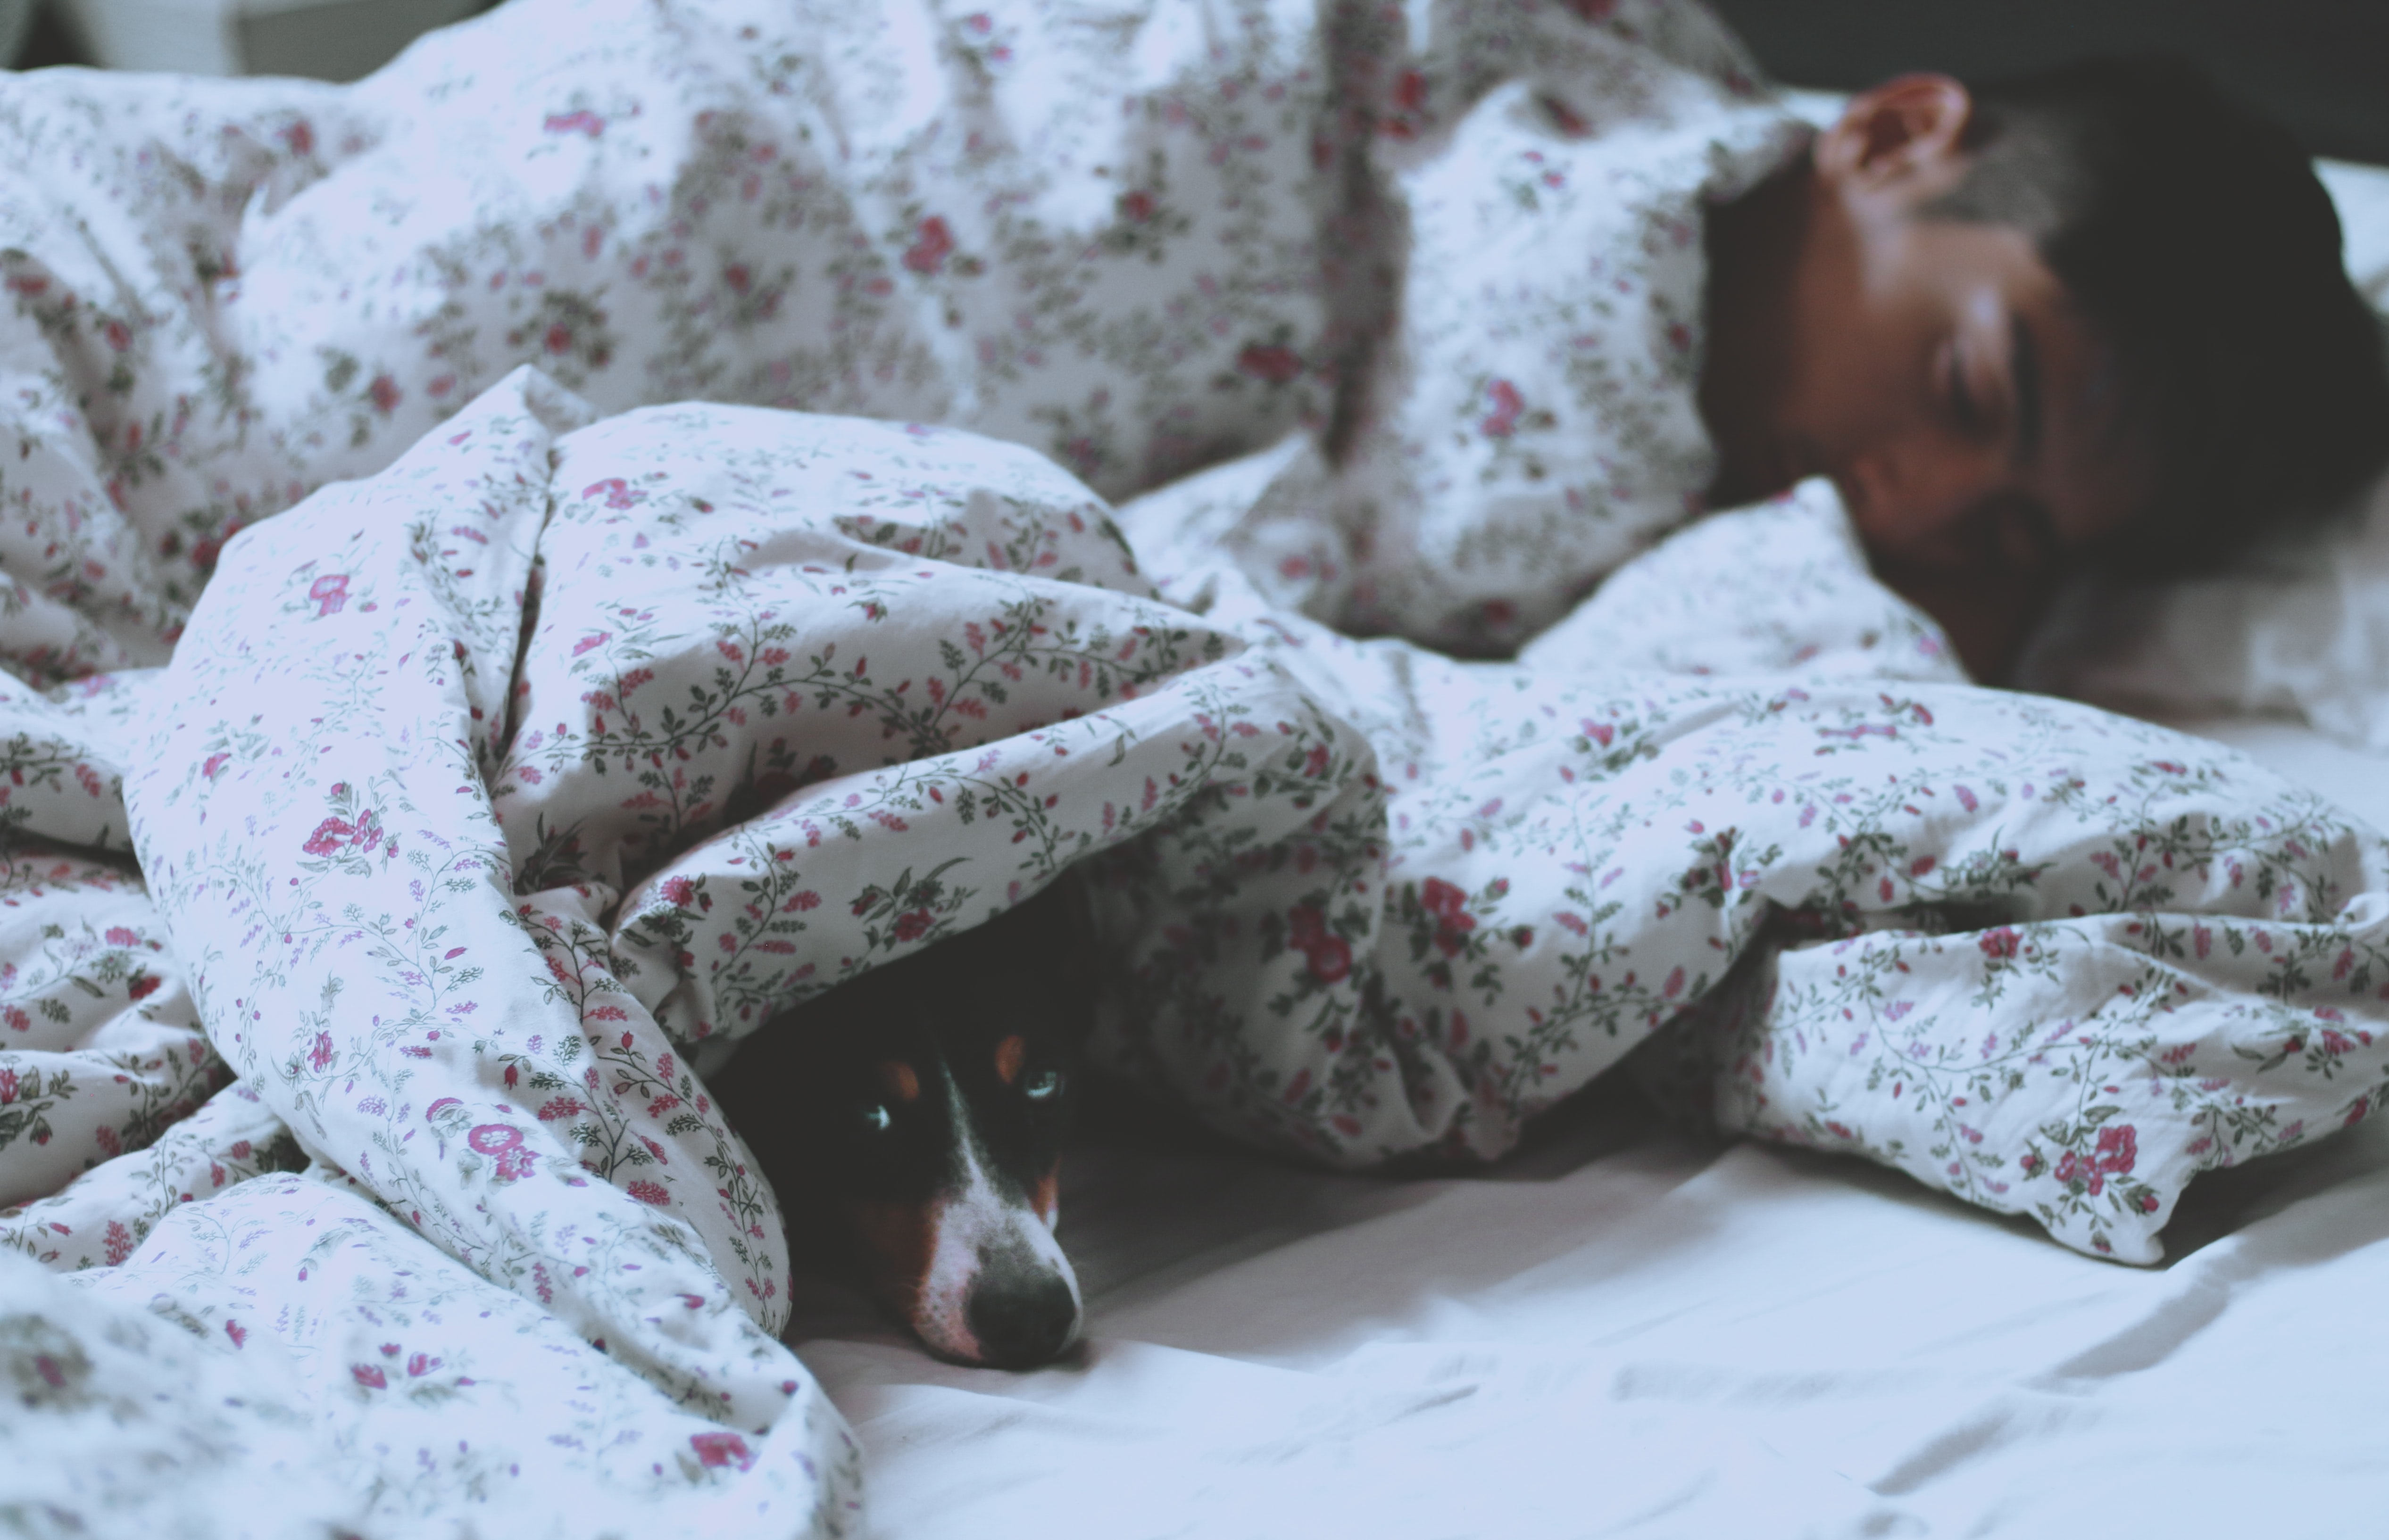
(1908, 134)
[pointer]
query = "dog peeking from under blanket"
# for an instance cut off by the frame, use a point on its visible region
(911, 1123)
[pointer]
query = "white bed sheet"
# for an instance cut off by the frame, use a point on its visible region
(1631, 1330)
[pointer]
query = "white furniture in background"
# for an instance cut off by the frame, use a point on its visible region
(336, 40)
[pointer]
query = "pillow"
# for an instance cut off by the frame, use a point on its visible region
(2301, 629)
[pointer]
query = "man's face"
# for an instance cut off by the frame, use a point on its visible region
(1935, 369)
(1968, 416)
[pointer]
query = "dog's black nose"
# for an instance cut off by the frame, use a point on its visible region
(1022, 1317)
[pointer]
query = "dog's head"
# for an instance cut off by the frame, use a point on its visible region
(913, 1120)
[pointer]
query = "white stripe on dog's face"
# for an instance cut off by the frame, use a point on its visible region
(997, 1288)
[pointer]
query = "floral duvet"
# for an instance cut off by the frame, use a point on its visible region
(360, 967)
(362, 955)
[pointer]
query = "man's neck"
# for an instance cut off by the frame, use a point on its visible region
(1753, 244)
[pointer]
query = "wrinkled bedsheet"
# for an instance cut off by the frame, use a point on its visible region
(485, 795)
(1630, 1331)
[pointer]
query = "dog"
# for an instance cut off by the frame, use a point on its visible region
(910, 1122)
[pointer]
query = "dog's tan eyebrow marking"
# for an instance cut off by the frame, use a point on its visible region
(1010, 1055)
(902, 1080)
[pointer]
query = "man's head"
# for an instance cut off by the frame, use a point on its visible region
(2097, 316)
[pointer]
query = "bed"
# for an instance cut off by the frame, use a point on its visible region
(397, 1194)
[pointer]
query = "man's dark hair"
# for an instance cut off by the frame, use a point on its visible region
(2193, 235)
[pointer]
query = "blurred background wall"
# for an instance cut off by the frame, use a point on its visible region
(336, 40)
(2321, 65)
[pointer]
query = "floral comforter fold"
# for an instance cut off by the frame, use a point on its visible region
(485, 796)
(481, 798)
(2049, 960)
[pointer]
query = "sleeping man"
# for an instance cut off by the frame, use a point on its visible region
(2094, 318)
(1513, 289)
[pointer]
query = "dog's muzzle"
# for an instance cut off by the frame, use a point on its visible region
(1023, 1307)
(999, 1293)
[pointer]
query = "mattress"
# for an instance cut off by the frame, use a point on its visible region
(1632, 1329)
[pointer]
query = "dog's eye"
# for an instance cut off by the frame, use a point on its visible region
(1042, 1083)
(875, 1119)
